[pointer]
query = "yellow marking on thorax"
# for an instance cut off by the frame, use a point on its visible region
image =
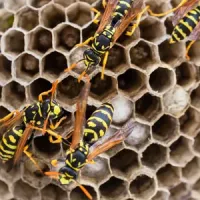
(99, 120)
(186, 25)
(6, 151)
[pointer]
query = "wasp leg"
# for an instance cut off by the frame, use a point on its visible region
(55, 126)
(98, 14)
(86, 42)
(29, 155)
(9, 116)
(167, 12)
(104, 64)
(104, 3)
(58, 140)
(135, 25)
(188, 48)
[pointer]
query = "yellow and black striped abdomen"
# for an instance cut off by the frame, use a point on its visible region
(98, 123)
(9, 143)
(186, 25)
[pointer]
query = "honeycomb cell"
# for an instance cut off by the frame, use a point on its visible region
(14, 94)
(5, 69)
(148, 108)
(3, 111)
(132, 82)
(54, 64)
(26, 67)
(89, 1)
(166, 129)
(190, 122)
(52, 15)
(69, 89)
(89, 111)
(124, 163)
(101, 89)
(180, 153)
(66, 37)
(195, 97)
(39, 40)
(14, 42)
(114, 188)
(148, 25)
(4, 190)
(53, 192)
(6, 20)
(38, 3)
(143, 187)
(196, 145)
(176, 101)
(14, 5)
(196, 187)
(179, 192)
(79, 13)
(186, 75)
(194, 53)
(154, 156)
(0, 92)
(161, 195)
(168, 176)
(89, 30)
(162, 79)
(64, 3)
(143, 54)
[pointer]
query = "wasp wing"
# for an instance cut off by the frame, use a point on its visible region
(195, 33)
(117, 138)
(180, 12)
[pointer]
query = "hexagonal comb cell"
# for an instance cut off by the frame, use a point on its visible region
(124, 162)
(143, 54)
(165, 129)
(38, 3)
(180, 154)
(148, 107)
(162, 79)
(3, 112)
(196, 145)
(14, 42)
(14, 94)
(66, 37)
(5, 70)
(195, 97)
(132, 82)
(39, 40)
(54, 64)
(27, 19)
(101, 89)
(143, 187)
(52, 15)
(196, 187)
(180, 192)
(154, 156)
(161, 195)
(64, 3)
(194, 52)
(114, 187)
(79, 13)
(168, 176)
(14, 5)
(26, 67)
(4, 190)
(6, 20)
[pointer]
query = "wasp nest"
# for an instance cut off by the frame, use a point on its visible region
(146, 78)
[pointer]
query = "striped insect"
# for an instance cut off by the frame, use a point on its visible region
(186, 20)
(117, 17)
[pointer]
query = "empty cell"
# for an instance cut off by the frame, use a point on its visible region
(195, 97)
(14, 94)
(51, 192)
(196, 186)
(173, 53)
(45, 147)
(114, 188)
(102, 88)
(194, 52)
(190, 122)
(5, 70)
(168, 25)
(67, 37)
(77, 193)
(196, 145)
(40, 40)
(79, 13)
(162, 79)
(143, 54)
(38, 3)
(89, 31)
(89, 1)
(26, 67)
(52, 15)
(168, 176)
(161, 195)
(148, 107)
(132, 82)
(69, 89)
(24, 191)
(180, 154)
(14, 5)
(14, 42)
(122, 109)
(4, 190)
(54, 64)
(180, 192)
(143, 187)
(154, 156)
(6, 20)
(176, 101)
(89, 111)
(3, 112)
(166, 129)
(124, 162)
(186, 75)
(0, 92)
(64, 3)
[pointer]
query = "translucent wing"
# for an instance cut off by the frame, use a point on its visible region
(180, 12)
(195, 33)
(117, 138)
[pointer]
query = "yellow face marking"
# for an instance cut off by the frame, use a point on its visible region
(57, 110)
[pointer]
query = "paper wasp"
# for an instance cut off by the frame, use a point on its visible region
(117, 17)
(186, 20)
